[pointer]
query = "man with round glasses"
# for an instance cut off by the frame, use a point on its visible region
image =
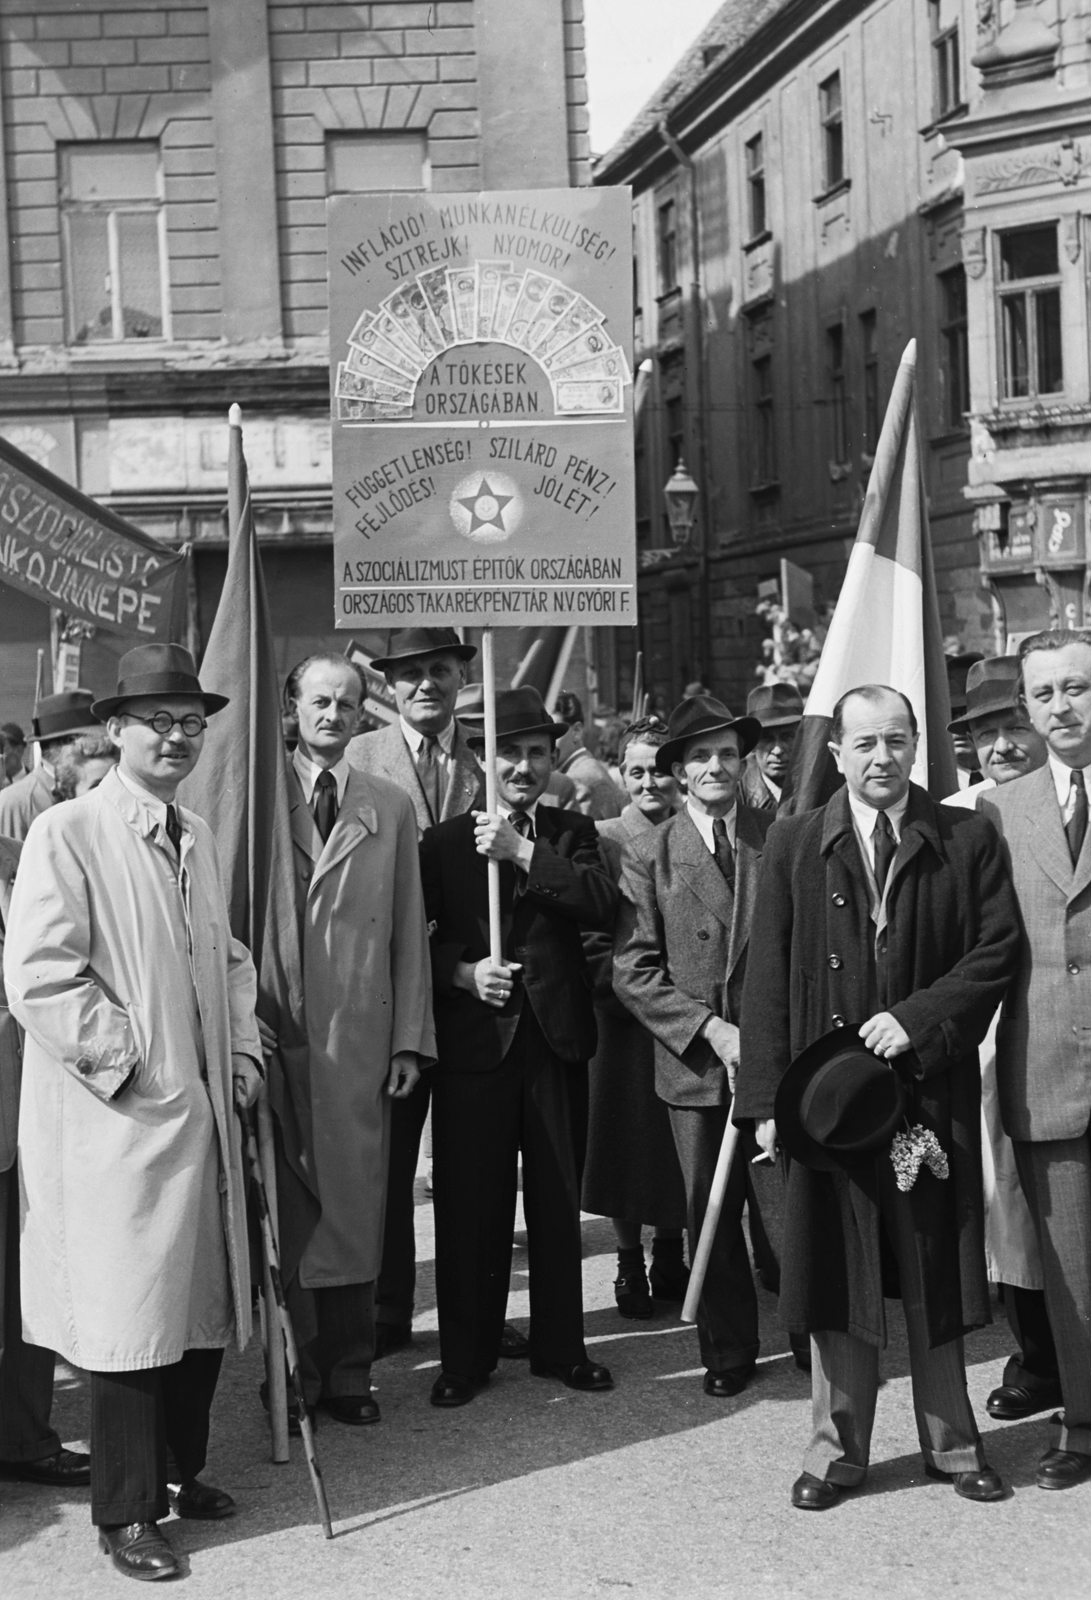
(138, 1007)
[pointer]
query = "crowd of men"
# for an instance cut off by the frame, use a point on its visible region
(884, 994)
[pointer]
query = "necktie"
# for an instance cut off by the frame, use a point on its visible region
(725, 856)
(325, 804)
(523, 823)
(975, 777)
(1076, 826)
(428, 772)
(885, 846)
(174, 827)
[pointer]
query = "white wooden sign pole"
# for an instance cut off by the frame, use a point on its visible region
(488, 671)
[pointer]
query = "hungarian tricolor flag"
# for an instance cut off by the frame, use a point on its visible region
(886, 626)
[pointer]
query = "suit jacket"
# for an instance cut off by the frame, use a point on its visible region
(387, 755)
(24, 800)
(566, 891)
(11, 1040)
(1043, 1042)
(949, 943)
(680, 947)
(756, 793)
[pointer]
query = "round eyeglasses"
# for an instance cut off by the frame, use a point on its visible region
(163, 723)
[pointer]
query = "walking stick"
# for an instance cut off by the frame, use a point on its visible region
(272, 1257)
(275, 1375)
(711, 1222)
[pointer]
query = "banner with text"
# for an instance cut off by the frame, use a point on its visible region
(66, 551)
(482, 408)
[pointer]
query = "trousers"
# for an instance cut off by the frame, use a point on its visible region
(480, 1123)
(136, 1419)
(396, 1285)
(1056, 1178)
(26, 1370)
(845, 1378)
(727, 1313)
(337, 1362)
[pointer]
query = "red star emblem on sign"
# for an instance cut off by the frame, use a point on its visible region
(486, 507)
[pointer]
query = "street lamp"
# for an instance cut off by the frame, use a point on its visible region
(680, 493)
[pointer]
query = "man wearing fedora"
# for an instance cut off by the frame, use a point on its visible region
(513, 1042)
(889, 918)
(1008, 747)
(425, 753)
(779, 709)
(138, 1007)
(1043, 1042)
(58, 718)
(680, 955)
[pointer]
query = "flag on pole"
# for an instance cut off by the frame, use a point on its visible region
(886, 626)
(240, 787)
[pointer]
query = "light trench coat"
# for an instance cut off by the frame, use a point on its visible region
(367, 985)
(134, 1241)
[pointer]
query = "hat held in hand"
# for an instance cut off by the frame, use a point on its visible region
(838, 1104)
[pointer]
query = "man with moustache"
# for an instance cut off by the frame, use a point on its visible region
(425, 753)
(1043, 1042)
(138, 1006)
(779, 709)
(513, 1040)
(58, 719)
(1008, 747)
(680, 955)
(890, 914)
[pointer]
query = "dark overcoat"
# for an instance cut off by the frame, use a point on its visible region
(951, 943)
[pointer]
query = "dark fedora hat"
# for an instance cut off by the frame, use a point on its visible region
(405, 643)
(776, 705)
(703, 714)
(158, 669)
(958, 668)
(518, 711)
(838, 1103)
(991, 685)
(68, 712)
(470, 705)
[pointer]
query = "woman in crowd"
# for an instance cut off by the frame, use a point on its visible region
(632, 1172)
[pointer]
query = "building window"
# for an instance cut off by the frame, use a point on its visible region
(1030, 313)
(956, 351)
(838, 394)
(668, 248)
(869, 339)
(676, 430)
(115, 244)
(755, 184)
(363, 163)
(946, 72)
(763, 467)
(833, 131)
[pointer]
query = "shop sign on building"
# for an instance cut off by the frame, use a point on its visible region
(482, 410)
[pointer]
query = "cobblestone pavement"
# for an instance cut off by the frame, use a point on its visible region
(650, 1491)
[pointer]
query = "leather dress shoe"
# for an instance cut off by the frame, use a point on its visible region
(451, 1390)
(514, 1346)
(732, 1381)
(584, 1375)
(391, 1336)
(983, 1483)
(200, 1501)
(1063, 1469)
(1012, 1402)
(632, 1293)
(67, 1469)
(353, 1409)
(814, 1494)
(139, 1550)
(668, 1282)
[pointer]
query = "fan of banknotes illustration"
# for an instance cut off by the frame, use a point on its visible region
(490, 302)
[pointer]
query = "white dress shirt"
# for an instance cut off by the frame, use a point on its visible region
(1066, 794)
(445, 742)
(307, 772)
(864, 818)
(703, 823)
(150, 802)
(531, 811)
(774, 788)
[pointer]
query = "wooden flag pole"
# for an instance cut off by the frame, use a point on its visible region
(488, 672)
(712, 1221)
(275, 1375)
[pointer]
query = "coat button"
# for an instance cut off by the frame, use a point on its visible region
(839, 900)
(702, 933)
(838, 1020)
(836, 963)
(1073, 967)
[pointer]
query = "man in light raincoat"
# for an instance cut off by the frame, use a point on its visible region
(138, 1007)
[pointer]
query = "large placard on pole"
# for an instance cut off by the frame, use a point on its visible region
(482, 408)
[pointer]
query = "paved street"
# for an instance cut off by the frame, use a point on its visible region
(651, 1491)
